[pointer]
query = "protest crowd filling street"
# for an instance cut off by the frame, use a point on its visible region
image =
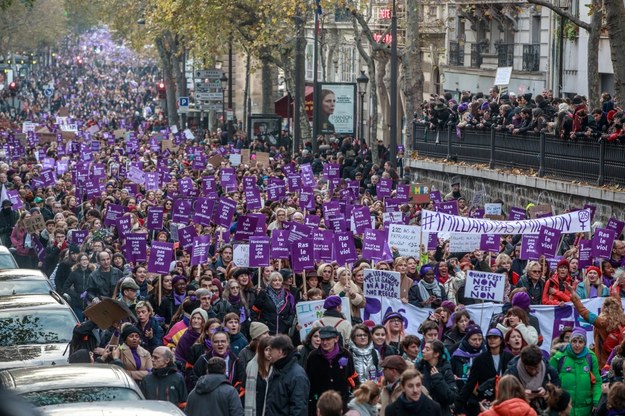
(265, 284)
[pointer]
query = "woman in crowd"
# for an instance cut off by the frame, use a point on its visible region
(163, 288)
(22, 243)
(401, 266)
(346, 287)
(76, 285)
(517, 318)
(136, 360)
(511, 400)
(257, 374)
(454, 336)
(503, 264)
(151, 331)
(365, 400)
(247, 292)
(562, 340)
(310, 343)
(325, 271)
(428, 293)
(379, 338)
(469, 348)
(140, 274)
(592, 286)
(514, 341)
(412, 265)
(558, 401)
(363, 352)
(579, 373)
(274, 306)
(413, 401)
(189, 337)
(438, 378)
(395, 330)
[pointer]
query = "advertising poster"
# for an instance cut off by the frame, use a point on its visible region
(337, 108)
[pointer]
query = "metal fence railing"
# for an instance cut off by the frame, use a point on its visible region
(588, 161)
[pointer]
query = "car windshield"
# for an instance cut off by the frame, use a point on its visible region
(7, 262)
(79, 395)
(24, 287)
(35, 327)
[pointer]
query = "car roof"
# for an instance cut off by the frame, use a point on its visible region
(54, 377)
(126, 408)
(22, 274)
(31, 301)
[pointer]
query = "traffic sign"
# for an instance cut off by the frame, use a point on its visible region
(48, 92)
(208, 107)
(209, 73)
(183, 104)
(208, 96)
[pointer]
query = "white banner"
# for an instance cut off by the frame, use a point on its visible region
(311, 311)
(381, 283)
(572, 222)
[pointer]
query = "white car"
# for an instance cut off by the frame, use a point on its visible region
(125, 408)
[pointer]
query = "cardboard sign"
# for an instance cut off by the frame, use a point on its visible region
(540, 211)
(34, 224)
(485, 286)
(107, 312)
(381, 283)
(262, 157)
(311, 311)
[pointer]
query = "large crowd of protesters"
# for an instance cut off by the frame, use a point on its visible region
(220, 339)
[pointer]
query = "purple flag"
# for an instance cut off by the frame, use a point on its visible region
(302, 255)
(602, 243)
(448, 207)
(362, 218)
(135, 247)
(113, 212)
(616, 225)
(516, 214)
(280, 245)
(161, 256)
(224, 213)
(186, 236)
(529, 247)
(344, 248)
(246, 228)
(201, 245)
(490, 242)
(584, 253)
(14, 196)
(549, 241)
(203, 211)
(259, 251)
(155, 218)
(39, 248)
(322, 240)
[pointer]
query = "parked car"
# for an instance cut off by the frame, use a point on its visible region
(35, 330)
(126, 408)
(71, 383)
(24, 282)
(7, 261)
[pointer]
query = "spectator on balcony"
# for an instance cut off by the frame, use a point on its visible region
(440, 114)
(549, 111)
(525, 123)
(455, 190)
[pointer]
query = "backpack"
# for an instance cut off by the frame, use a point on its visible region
(593, 379)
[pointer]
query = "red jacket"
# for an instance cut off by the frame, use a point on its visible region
(560, 295)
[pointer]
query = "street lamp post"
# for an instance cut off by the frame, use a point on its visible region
(224, 85)
(362, 81)
(393, 120)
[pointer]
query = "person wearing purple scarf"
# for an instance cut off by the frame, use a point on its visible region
(330, 367)
(136, 360)
(471, 346)
(193, 332)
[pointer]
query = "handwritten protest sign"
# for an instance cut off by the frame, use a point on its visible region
(311, 311)
(406, 238)
(381, 283)
(464, 242)
(34, 224)
(241, 255)
(485, 286)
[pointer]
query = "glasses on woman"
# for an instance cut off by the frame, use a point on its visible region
(362, 335)
(535, 271)
(234, 287)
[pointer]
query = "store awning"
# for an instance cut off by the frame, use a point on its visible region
(281, 105)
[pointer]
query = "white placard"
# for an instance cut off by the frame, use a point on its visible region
(464, 242)
(503, 75)
(492, 209)
(188, 134)
(241, 255)
(381, 283)
(235, 159)
(311, 311)
(488, 287)
(28, 126)
(406, 238)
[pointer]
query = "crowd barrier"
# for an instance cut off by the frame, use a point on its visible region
(584, 160)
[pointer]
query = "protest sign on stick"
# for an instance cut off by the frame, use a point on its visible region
(485, 286)
(381, 283)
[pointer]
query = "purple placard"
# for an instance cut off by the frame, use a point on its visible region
(490, 242)
(259, 251)
(384, 188)
(331, 209)
(432, 241)
(124, 225)
(252, 199)
(246, 228)
(584, 253)
(135, 247)
(294, 182)
(392, 204)
(249, 182)
(161, 256)
(312, 220)
(229, 179)
(136, 175)
(209, 184)
(200, 251)
(48, 177)
(331, 170)
(186, 236)
(62, 166)
(435, 196)
(302, 255)
(616, 225)
(602, 243)
(477, 213)
(323, 241)
(224, 213)
(261, 224)
(593, 209)
(362, 218)
(113, 212)
(182, 210)
(14, 196)
(402, 192)
(308, 177)
(549, 241)
(337, 223)
(152, 181)
(185, 185)
(203, 210)
(529, 247)
(344, 248)
(78, 236)
(297, 231)
(39, 248)
(307, 199)
(280, 244)
(448, 207)
(373, 242)
(155, 218)
(516, 214)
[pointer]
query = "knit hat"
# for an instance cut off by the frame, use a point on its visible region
(129, 283)
(178, 278)
(369, 324)
(472, 330)
(563, 262)
(332, 302)
(391, 315)
(257, 329)
(494, 332)
(202, 313)
(595, 268)
(522, 300)
(449, 305)
(217, 282)
(128, 329)
(578, 332)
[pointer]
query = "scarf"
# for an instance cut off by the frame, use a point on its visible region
(214, 353)
(425, 289)
(184, 344)
(531, 383)
(135, 355)
(178, 299)
(592, 291)
(234, 299)
(330, 355)
(570, 352)
(277, 297)
(465, 349)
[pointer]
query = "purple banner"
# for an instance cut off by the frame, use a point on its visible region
(249, 182)
(259, 251)
(307, 198)
(224, 213)
(294, 182)
(602, 243)
(432, 241)
(280, 244)
(161, 256)
(209, 184)
(298, 231)
(312, 220)
(155, 218)
(152, 181)
(39, 248)
(124, 225)
(402, 192)
(331, 209)
(200, 251)
(344, 248)
(48, 178)
(392, 204)
(516, 214)
(135, 247)
(490, 242)
(476, 213)
(529, 247)
(302, 255)
(229, 179)
(331, 170)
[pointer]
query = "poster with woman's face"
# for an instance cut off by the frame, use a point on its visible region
(337, 109)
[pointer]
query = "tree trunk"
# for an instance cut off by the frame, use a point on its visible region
(413, 74)
(615, 13)
(594, 35)
(166, 51)
(267, 87)
(381, 64)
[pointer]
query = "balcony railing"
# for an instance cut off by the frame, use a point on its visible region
(588, 161)
(505, 53)
(531, 57)
(477, 49)
(456, 53)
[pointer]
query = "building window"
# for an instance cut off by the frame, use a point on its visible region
(348, 63)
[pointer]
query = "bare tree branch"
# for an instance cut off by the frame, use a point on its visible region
(561, 12)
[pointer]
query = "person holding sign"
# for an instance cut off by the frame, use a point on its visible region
(401, 266)
(346, 287)
(428, 293)
(556, 290)
(274, 306)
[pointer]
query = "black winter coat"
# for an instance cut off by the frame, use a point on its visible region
(405, 407)
(442, 386)
(75, 285)
(165, 384)
(278, 321)
(236, 372)
(287, 388)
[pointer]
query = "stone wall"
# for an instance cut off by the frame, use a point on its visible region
(517, 190)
